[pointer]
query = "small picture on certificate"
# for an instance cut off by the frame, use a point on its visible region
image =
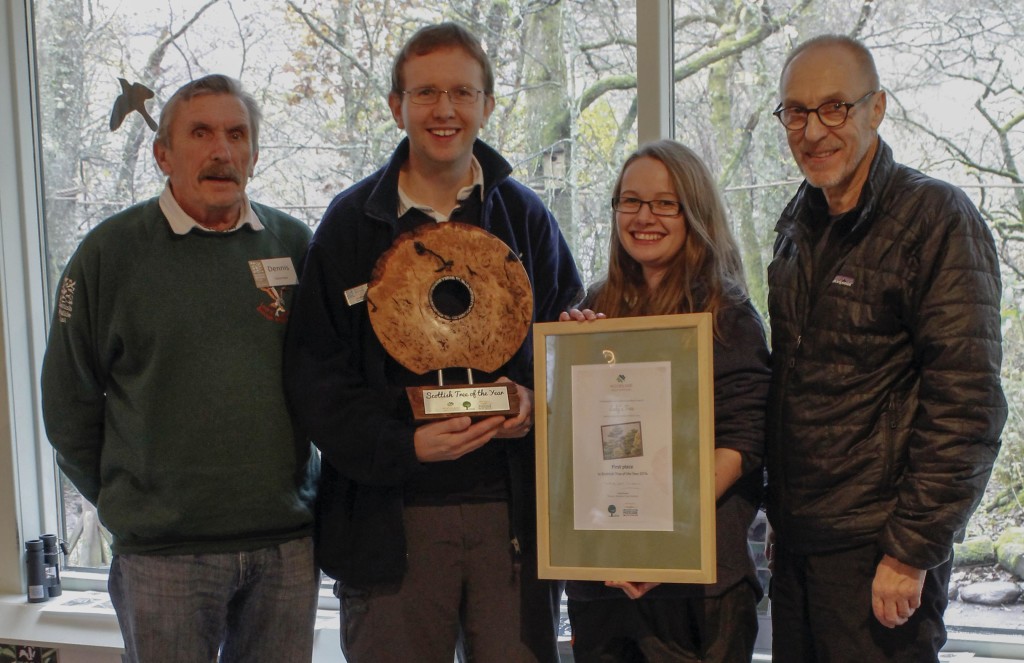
(622, 441)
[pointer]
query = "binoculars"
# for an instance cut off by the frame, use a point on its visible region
(42, 562)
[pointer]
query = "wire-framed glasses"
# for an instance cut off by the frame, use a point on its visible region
(630, 205)
(831, 113)
(428, 96)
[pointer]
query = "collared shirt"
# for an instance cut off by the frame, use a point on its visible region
(405, 203)
(181, 223)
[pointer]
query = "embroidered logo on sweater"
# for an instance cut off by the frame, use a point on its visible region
(274, 310)
(845, 281)
(65, 300)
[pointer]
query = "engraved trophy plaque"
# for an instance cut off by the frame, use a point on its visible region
(451, 295)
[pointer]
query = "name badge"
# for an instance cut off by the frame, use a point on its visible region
(357, 294)
(273, 272)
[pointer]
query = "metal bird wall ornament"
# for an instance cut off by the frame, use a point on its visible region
(132, 98)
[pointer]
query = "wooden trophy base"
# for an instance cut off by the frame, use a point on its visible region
(474, 400)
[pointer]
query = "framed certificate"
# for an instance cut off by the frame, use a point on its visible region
(624, 419)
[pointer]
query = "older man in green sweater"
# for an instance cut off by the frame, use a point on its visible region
(162, 397)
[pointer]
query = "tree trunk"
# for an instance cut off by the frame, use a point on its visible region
(547, 96)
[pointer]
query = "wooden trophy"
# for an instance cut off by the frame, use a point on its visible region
(452, 295)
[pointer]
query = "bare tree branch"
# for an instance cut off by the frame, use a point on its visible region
(312, 23)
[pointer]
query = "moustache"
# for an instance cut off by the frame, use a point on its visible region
(221, 173)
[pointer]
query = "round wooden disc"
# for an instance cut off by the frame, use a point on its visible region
(450, 295)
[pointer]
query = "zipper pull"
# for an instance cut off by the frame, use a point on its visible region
(517, 560)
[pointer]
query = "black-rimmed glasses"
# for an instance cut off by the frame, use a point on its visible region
(428, 96)
(831, 114)
(629, 205)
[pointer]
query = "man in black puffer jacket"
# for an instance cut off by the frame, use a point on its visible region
(886, 405)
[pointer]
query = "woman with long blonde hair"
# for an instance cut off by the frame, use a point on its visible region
(672, 251)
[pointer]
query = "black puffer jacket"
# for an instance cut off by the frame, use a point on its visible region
(886, 405)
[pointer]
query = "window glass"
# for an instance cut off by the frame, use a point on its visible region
(320, 69)
(954, 77)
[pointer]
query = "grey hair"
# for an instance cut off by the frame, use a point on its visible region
(211, 84)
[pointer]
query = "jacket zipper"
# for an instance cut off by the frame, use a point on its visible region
(799, 241)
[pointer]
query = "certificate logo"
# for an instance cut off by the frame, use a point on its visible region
(611, 510)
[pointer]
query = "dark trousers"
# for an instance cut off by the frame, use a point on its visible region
(719, 629)
(821, 611)
(462, 589)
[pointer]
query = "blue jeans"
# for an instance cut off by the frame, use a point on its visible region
(249, 606)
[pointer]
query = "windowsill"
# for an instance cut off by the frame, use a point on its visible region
(22, 622)
(972, 646)
(90, 626)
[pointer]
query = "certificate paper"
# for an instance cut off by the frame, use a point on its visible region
(622, 446)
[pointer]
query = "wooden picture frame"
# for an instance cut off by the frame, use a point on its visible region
(624, 421)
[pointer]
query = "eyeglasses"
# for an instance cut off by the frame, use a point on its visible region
(658, 207)
(428, 96)
(831, 113)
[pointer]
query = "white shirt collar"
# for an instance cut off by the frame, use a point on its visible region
(181, 223)
(405, 203)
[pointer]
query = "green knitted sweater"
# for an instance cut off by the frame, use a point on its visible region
(162, 388)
